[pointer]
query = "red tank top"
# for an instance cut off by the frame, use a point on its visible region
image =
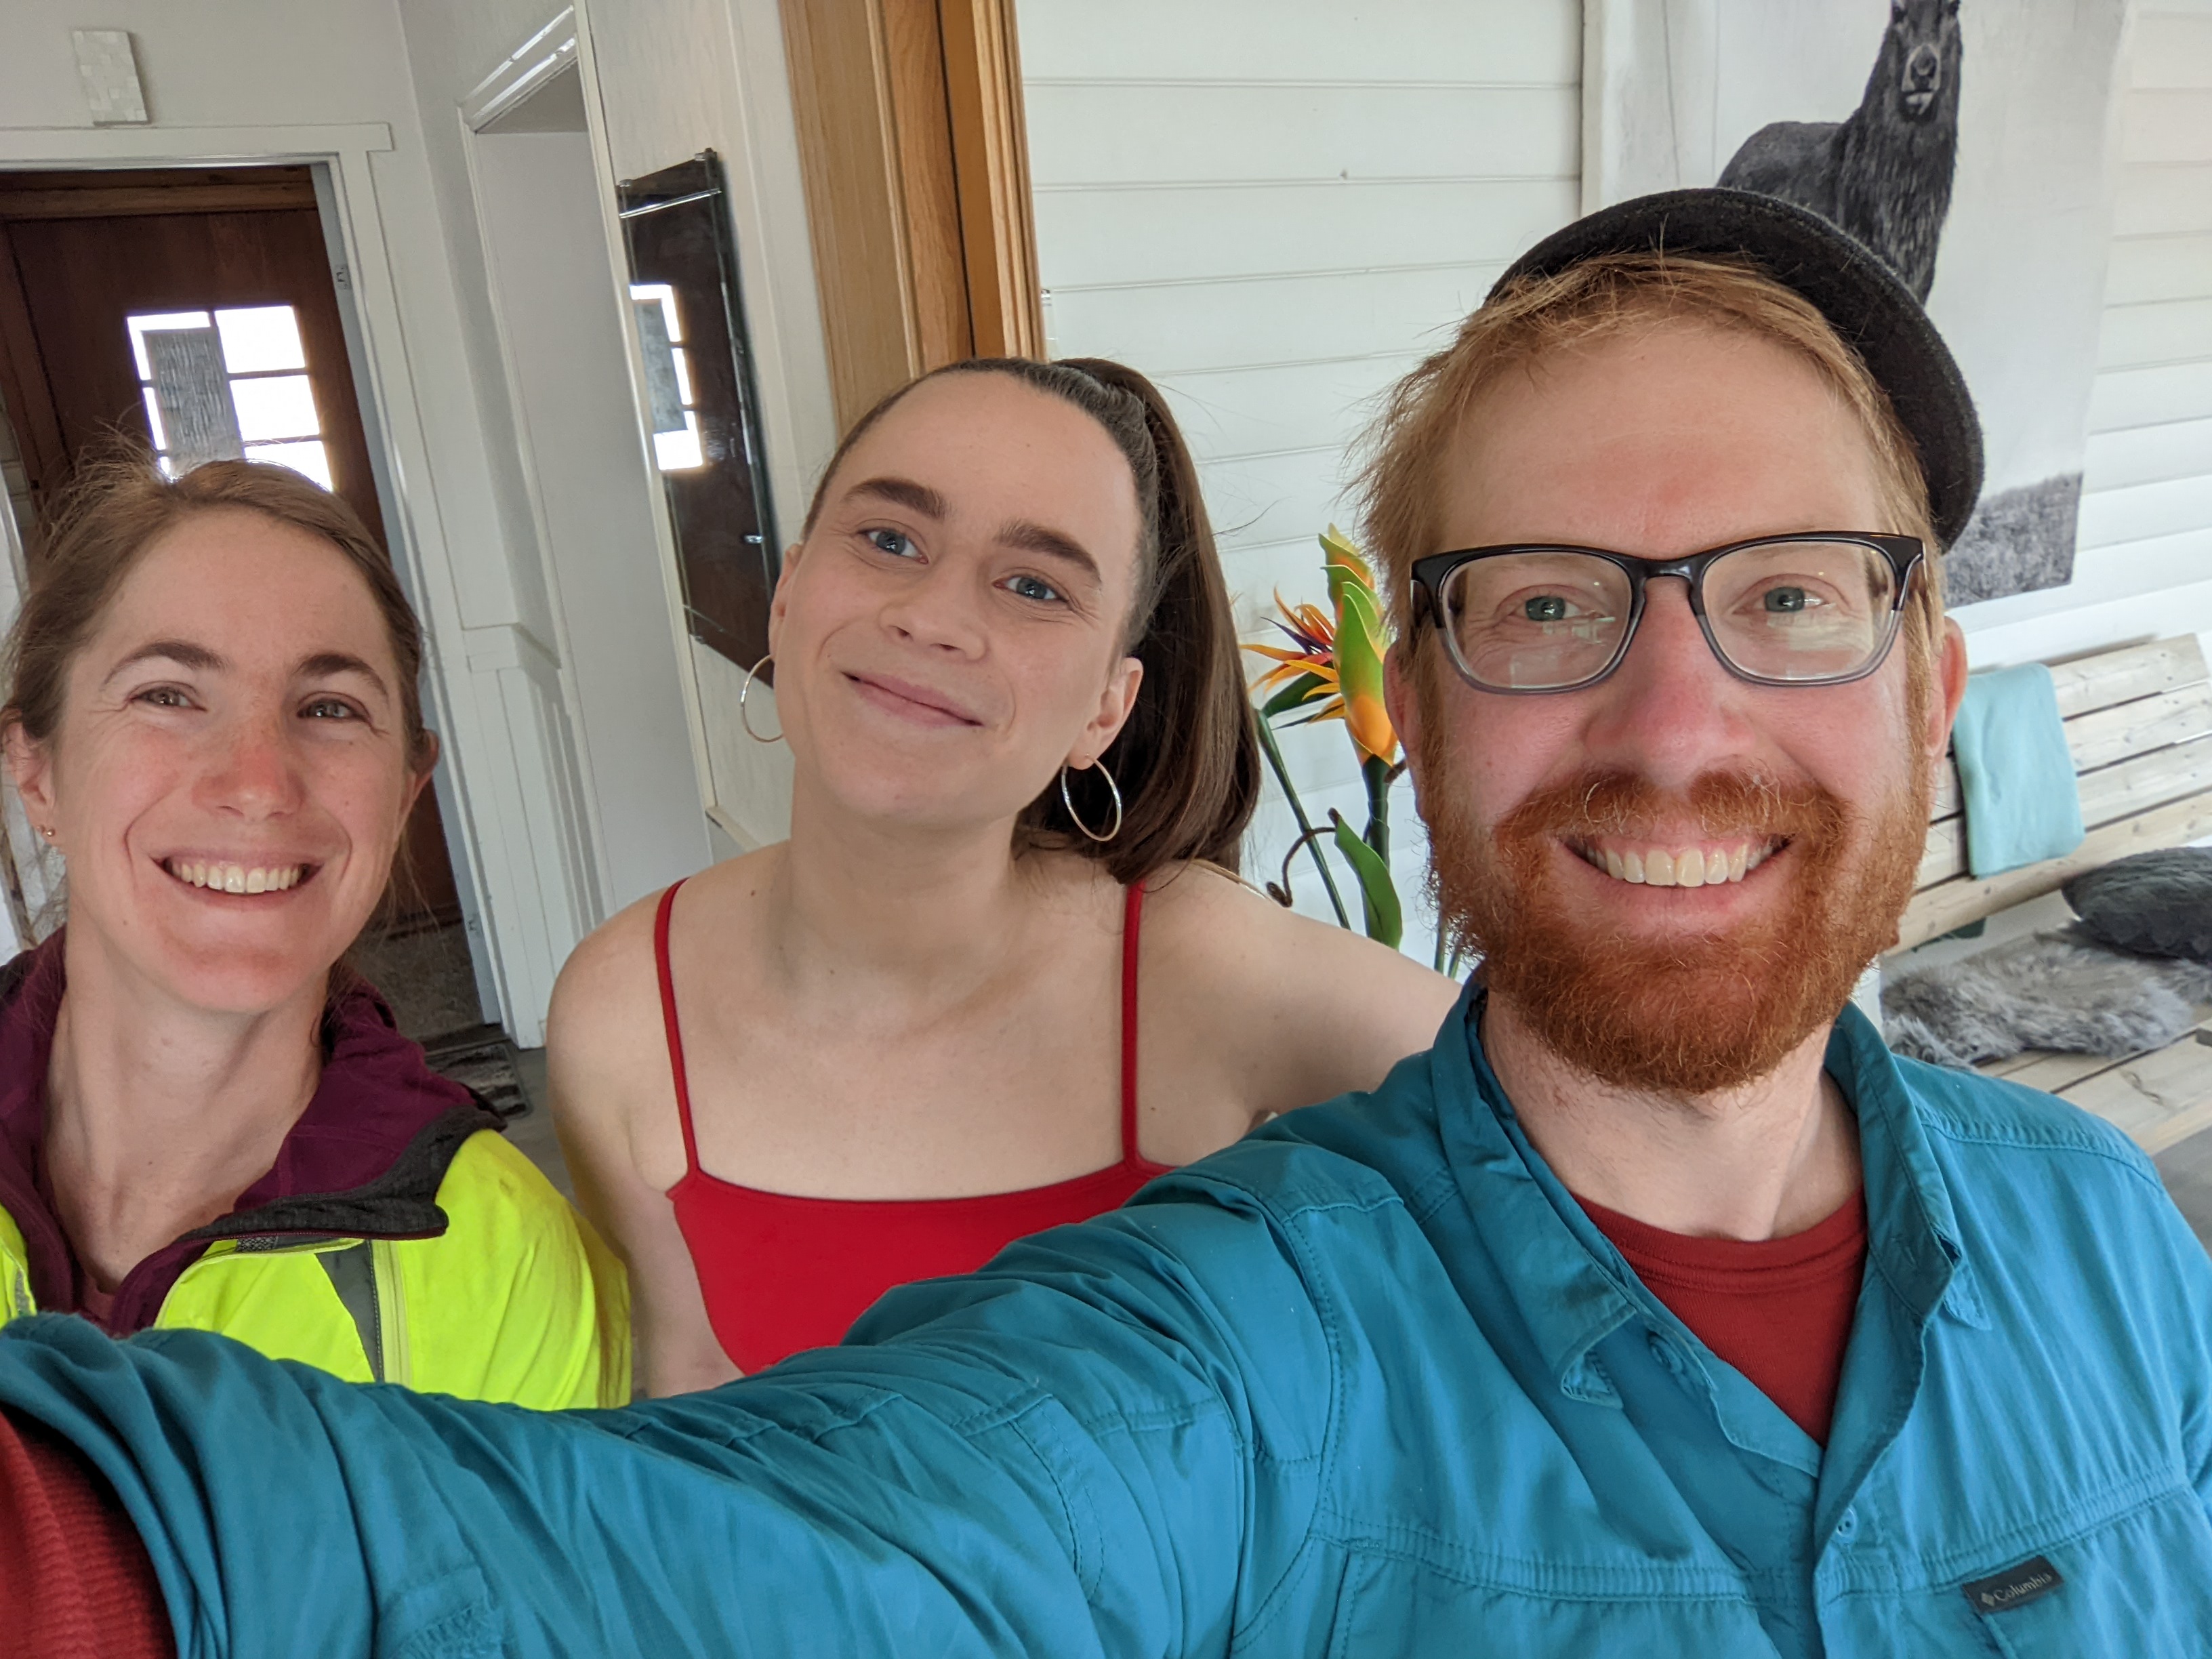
(782, 1273)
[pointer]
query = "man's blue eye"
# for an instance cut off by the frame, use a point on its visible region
(892, 542)
(325, 708)
(1030, 587)
(1546, 608)
(1785, 599)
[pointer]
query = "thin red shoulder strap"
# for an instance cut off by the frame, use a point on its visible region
(1133, 912)
(675, 1030)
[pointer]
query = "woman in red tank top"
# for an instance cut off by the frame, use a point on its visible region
(883, 1048)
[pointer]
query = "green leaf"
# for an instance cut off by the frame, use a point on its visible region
(1298, 691)
(1386, 922)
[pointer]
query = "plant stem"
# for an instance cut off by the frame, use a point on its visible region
(1274, 755)
(1377, 776)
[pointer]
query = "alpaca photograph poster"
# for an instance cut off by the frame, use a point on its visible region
(1966, 142)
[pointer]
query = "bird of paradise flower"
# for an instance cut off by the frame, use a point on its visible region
(1332, 670)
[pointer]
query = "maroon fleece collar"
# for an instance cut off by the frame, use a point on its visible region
(363, 1160)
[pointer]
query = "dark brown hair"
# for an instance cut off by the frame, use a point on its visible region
(1188, 758)
(115, 508)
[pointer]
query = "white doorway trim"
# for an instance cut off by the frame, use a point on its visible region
(744, 788)
(560, 316)
(525, 70)
(492, 690)
(565, 39)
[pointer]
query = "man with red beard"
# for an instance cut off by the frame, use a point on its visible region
(1655, 1309)
(1676, 776)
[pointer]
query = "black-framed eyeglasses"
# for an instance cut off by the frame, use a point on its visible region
(1816, 608)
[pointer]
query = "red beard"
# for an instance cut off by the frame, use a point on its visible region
(1696, 1014)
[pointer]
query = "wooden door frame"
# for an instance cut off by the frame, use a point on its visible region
(915, 151)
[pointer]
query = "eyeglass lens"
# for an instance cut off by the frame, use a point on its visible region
(1546, 620)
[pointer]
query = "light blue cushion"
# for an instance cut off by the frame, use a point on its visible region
(2022, 804)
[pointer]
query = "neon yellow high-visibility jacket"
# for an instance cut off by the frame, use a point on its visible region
(397, 1238)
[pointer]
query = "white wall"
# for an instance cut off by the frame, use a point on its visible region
(1275, 206)
(592, 481)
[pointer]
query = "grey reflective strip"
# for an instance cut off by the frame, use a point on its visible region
(353, 1275)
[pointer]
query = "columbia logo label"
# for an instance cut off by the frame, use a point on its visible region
(2014, 1587)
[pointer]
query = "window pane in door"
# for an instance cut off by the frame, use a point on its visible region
(275, 406)
(309, 458)
(147, 321)
(680, 450)
(260, 339)
(198, 416)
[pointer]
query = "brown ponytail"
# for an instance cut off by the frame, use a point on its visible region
(1187, 759)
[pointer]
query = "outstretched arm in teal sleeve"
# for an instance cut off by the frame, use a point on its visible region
(1055, 1456)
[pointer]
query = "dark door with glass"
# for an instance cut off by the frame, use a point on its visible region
(193, 311)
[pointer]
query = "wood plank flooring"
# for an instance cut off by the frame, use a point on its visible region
(2161, 1099)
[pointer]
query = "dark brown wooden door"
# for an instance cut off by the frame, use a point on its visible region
(117, 289)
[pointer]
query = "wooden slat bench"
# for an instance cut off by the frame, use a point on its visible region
(2139, 726)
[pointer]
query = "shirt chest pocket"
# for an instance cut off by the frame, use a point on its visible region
(1389, 1603)
(2141, 1585)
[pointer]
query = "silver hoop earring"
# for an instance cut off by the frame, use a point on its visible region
(745, 719)
(1067, 800)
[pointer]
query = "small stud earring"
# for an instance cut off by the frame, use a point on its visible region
(47, 830)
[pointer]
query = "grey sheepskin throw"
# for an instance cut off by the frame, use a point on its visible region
(2048, 991)
(2159, 903)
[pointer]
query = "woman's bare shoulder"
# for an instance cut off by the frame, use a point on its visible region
(606, 1004)
(607, 988)
(1321, 1008)
(615, 963)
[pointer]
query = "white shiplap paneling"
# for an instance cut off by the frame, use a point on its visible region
(1135, 235)
(2144, 269)
(1274, 207)
(2152, 454)
(1192, 131)
(2122, 400)
(1511, 43)
(2157, 332)
(1180, 328)
(2145, 526)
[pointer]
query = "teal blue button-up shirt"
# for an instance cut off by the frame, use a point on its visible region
(1367, 1383)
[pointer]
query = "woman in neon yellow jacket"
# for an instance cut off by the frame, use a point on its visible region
(207, 1120)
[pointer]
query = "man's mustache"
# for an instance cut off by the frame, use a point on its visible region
(1719, 803)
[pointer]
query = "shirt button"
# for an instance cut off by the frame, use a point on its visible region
(1848, 1523)
(1663, 1351)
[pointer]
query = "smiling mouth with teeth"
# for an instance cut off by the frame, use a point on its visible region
(1708, 866)
(222, 878)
